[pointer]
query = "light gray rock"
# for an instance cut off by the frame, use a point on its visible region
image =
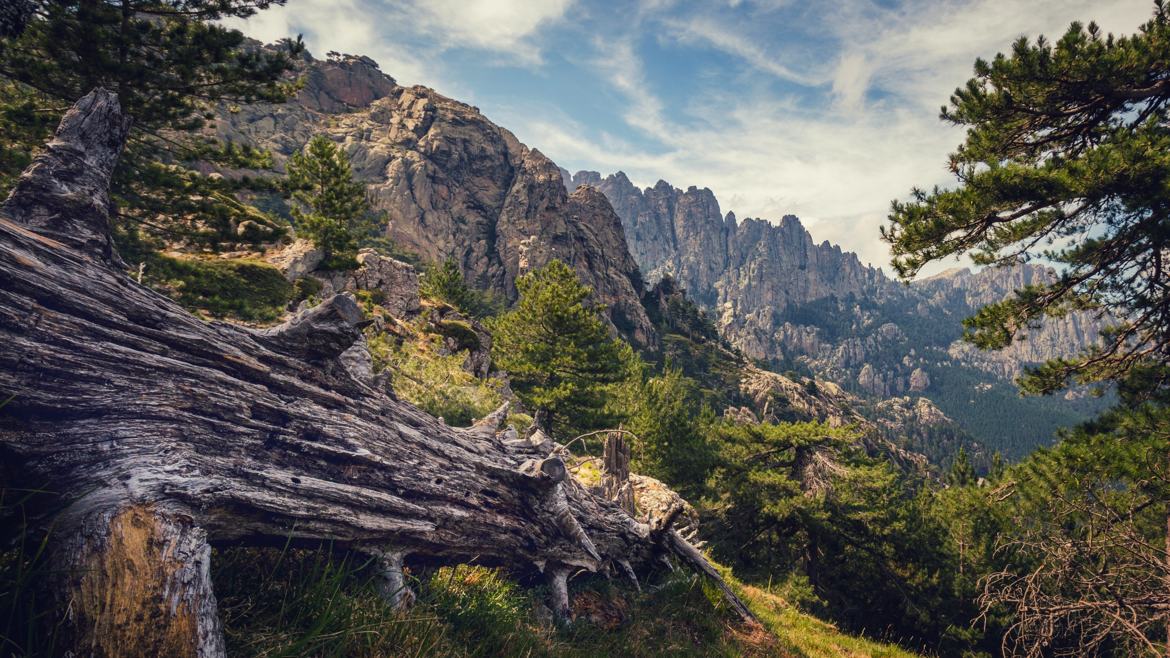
(395, 282)
(296, 259)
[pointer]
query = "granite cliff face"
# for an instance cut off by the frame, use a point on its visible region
(780, 296)
(964, 289)
(785, 299)
(453, 184)
(736, 267)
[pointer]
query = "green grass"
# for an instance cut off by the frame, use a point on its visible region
(320, 603)
(241, 289)
(804, 635)
(324, 603)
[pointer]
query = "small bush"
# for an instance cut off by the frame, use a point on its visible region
(444, 282)
(434, 382)
(241, 289)
(461, 332)
(304, 288)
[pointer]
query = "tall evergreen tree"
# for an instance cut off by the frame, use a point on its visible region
(666, 412)
(962, 472)
(1067, 157)
(556, 350)
(329, 206)
(170, 63)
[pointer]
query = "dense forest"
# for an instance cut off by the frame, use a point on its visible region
(811, 511)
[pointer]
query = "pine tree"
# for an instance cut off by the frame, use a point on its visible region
(962, 473)
(329, 206)
(445, 282)
(170, 63)
(556, 350)
(1083, 547)
(1067, 156)
(667, 414)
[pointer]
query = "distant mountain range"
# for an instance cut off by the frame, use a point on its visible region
(455, 185)
(795, 304)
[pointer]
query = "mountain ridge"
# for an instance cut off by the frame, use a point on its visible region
(452, 184)
(795, 303)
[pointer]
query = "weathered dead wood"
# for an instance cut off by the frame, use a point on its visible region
(393, 586)
(691, 557)
(615, 472)
(163, 434)
(557, 576)
(123, 567)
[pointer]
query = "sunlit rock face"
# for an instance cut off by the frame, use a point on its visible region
(452, 184)
(782, 297)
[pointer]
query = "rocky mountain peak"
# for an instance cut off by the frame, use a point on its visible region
(784, 298)
(342, 83)
(453, 184)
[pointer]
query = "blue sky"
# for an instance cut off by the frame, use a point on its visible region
(824, 110)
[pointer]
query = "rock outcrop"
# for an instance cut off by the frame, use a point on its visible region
(453, 184)
(296, 259)
(1057, 337)
(394, 283)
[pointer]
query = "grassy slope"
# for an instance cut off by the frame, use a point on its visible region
(307, 602)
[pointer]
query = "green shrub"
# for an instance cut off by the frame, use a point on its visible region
(242, 289)
(434, 382)
(461, 332)
(304, 288)
(445, 283)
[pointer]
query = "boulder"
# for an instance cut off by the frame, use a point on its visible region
(394, 283)
(297, 259)
(655, 502)
(919, 380)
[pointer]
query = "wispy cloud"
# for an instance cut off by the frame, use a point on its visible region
(345, 26)
(408, 39)
(823, 110)
(500, 26)
(869, 135)
(709, 31)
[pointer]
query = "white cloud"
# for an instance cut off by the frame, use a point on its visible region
(503, 26)
(851, 80)
(705, 30)
(837, 165)
(346, 26)
(408, 39)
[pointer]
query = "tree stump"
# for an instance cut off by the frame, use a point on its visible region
(615, 472)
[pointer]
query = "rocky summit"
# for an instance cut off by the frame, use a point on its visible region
(452, 184)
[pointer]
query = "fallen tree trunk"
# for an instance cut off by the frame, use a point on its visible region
(163, 434)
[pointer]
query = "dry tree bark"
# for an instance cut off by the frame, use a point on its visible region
(164, 434)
